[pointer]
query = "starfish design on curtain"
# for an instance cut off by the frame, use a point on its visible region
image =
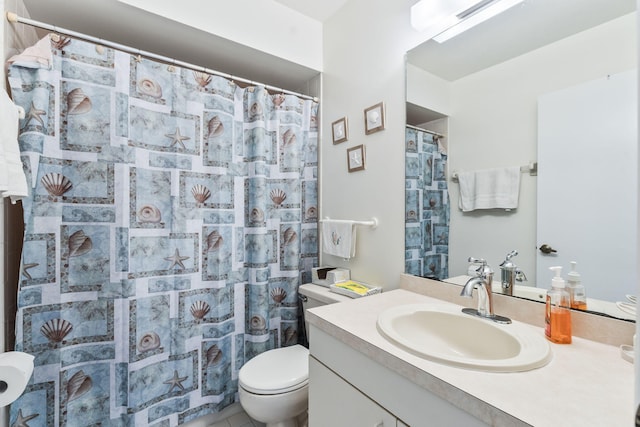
(21, 421)
(25, 267)
(177, 138)
(34, 114)
(176, 260)
(176, 381)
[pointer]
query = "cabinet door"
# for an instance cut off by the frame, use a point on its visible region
(336, 403)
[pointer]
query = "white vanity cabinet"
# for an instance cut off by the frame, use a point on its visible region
(348, 389)
(334, 402)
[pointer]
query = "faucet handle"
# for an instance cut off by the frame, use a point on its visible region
(520, 276)
(484, 270)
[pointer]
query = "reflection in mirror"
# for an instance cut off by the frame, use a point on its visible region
(481, 91)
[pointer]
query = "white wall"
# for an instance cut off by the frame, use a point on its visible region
(364, 46)
(266, 25)
(493, 123)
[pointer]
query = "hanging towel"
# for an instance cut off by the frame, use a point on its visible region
(339, 238)
(13, 182)
(489, 189)
(37, 56)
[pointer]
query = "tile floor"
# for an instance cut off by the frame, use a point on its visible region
(240, 419)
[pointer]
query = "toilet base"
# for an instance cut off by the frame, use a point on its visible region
(278, 410)
(301, 420)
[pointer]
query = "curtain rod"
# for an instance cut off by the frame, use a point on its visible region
(13, 18)
(439, 135)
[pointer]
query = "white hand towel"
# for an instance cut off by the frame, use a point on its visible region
(13, 182)
(37, 56)
(489, 189)
(339, 238)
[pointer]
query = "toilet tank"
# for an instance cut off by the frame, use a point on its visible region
(315, 295)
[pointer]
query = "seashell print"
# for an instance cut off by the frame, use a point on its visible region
(214, 127)
(79, 243)
(312, 212)
(411, 145)
(56, 184)
(78, 385)
(148, 342)
(202, 78)
(149, 214)
(199, 309)
(78, 102)
(214, 241)
(278, 294)
(432, 202)
(214, 354)
(278, 196)
(290, 335)
(255, 110)
(150, 88)
(257, 323)
(256, 215)
(200, 193)
(289, 236)
(55, 330)
(288, 138)
(278, 100)
(412, 214)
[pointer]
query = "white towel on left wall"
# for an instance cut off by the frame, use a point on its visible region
(339, 238)
(13, 182)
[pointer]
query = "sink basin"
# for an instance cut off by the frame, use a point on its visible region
(442, 333)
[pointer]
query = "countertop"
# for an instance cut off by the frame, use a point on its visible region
(586, 383)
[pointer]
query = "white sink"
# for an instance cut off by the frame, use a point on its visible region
(442, 333)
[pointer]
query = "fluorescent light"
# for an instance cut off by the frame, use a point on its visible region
(482, 15)
(437, 15)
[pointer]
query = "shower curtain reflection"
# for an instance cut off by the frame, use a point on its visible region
(426, 206)
(172, 217)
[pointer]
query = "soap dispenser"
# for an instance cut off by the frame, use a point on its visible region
(577, 293)
(558, 314)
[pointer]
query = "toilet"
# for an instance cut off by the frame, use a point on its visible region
(274, 386)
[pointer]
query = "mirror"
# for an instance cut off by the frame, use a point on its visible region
(481, 90)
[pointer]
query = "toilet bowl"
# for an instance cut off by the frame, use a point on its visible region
(274, 386)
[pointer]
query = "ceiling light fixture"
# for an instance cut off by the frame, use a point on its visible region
(442, 20)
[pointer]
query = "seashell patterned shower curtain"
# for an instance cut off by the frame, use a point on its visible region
(172, 217)
(427, 213)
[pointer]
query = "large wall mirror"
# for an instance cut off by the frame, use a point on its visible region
(492, 93)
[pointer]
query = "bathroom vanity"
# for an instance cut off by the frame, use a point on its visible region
(359, 378)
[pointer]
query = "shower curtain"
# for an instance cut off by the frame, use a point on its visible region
(426, 206)
(172, 217)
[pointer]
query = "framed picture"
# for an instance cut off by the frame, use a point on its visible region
(374, 118)
(355, 158)
(339, 130)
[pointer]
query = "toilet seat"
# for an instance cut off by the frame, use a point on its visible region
(276, 371)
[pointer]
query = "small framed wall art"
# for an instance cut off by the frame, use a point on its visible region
(374, 118)
(355, 158)
(339, 130)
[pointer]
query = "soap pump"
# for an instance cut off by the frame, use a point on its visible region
(577, 293)
(558, 314)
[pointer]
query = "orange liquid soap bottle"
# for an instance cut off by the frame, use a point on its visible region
(558, 313)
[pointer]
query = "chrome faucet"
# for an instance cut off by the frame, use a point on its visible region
(482, 282)
(510, 273)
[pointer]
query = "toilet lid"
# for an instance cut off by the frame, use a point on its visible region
(276, 371)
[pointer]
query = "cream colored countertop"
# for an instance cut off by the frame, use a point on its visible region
(585, 384)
